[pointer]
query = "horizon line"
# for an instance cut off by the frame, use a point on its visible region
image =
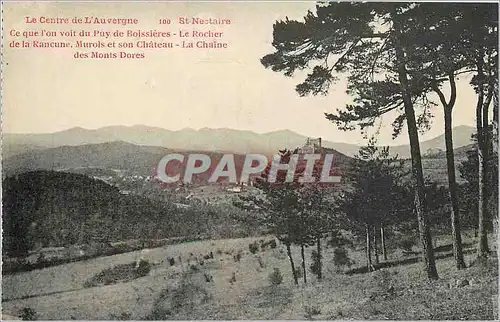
(209, 128)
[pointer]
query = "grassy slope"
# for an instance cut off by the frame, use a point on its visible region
(401, 292)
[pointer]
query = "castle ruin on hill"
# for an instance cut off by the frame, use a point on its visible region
(311, 146)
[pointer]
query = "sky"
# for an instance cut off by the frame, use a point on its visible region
(47, 90)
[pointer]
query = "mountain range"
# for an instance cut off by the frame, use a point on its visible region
(205, 139)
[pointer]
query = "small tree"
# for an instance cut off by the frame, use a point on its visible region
(276, 278)
(341, 257)
(373, 195)
(277, 207)
(320, 217)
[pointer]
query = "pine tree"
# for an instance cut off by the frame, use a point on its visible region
(341, 38)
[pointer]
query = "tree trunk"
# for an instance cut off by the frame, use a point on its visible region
(453, 189)
(494, 122)
(303, 263)
(382, 240)
(482, 153)
(320, 258)
(416, 161)
(484, 164)
(289, 252)
(369, 265)
(375, 246)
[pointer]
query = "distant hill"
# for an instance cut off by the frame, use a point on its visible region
(110, 155)
(121, 156)
(460, 153)
(217, 140)
(461, 137)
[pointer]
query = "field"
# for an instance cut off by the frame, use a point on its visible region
(224, 288)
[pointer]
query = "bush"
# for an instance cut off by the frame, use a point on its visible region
(208, 278)
(341, 257)
(233, 278)
(171, 261)
(185, 298)
(143, 268)
(238, 256)
(119, 273)
(276, 278)
(311, 311)
(272, 243)
(337, 239)
(28, 314)
(41, 258)
(253, 247)
(124, 316)
(316, 263)
(407, 244)
(208, 256)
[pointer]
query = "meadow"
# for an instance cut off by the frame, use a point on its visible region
(224, 287)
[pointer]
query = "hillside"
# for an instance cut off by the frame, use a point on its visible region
(182, 292)
(53, 209)
(206, 139)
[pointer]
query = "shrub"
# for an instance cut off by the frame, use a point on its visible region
(194, 268)
(119, 273)
(186, 297)
(28, 314)
(143, 268)
(233, 278)
(208, 256)
(124, 316)
(341, 257)
(171, 261)
(238, 256)
(316, 263)
(208, 278)
(337, 239)
(311, 311)
(407, 244)
(219, 251)
(272, 243)
(41, 258)
(253, 247)
(276, 278)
